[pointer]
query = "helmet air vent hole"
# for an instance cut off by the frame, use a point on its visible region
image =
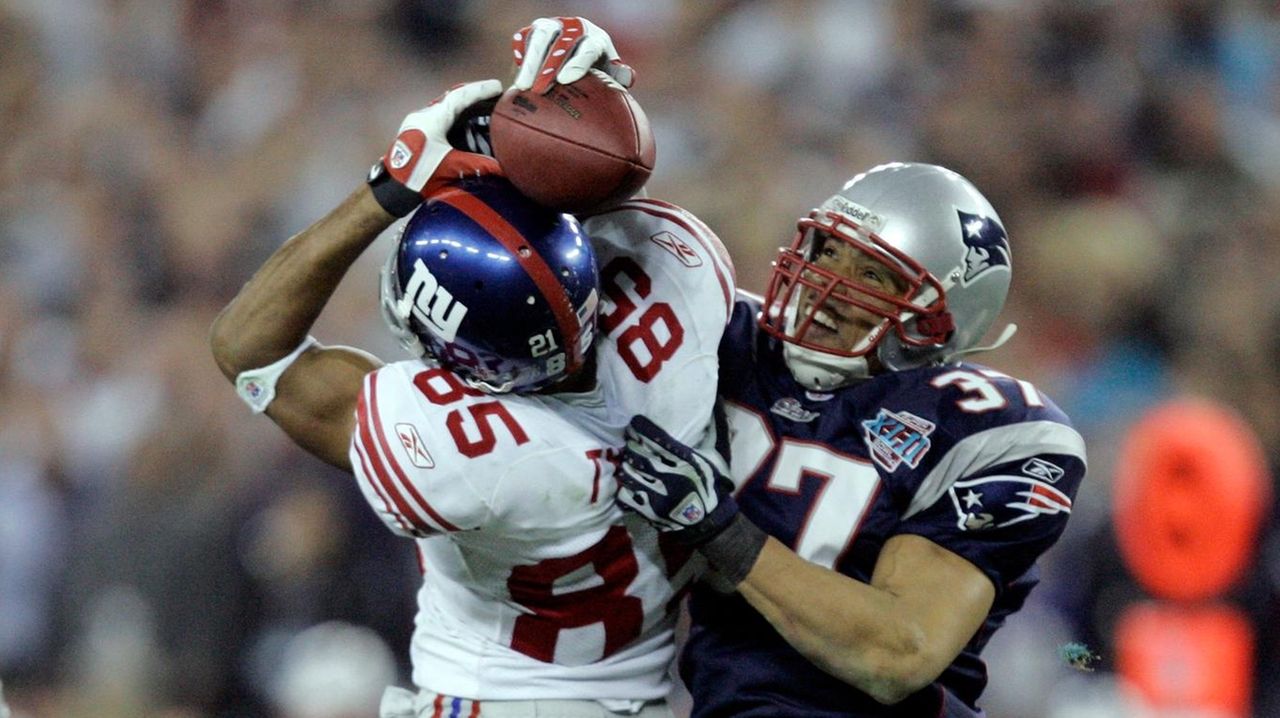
(525, 251)
(530, 300)
(564, 272)
(479, 285)
(444, 254)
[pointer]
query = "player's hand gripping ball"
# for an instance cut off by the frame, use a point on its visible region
(568, 133)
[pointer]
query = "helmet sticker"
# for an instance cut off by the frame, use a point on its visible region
(865, 218)
(432, 304)
(986, 245)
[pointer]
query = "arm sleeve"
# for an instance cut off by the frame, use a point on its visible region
(414, 486)
(1003, 517)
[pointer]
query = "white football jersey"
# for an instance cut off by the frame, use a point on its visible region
(536, 586)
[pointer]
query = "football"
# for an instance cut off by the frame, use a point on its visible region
(579, 148)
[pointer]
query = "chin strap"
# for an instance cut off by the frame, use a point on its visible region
(1005, 335)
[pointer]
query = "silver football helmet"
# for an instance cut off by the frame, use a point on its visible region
(926, 224)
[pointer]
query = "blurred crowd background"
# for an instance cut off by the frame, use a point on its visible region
(163, 552)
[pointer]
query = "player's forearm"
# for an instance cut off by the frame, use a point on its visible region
(274, 311)
(852, 630)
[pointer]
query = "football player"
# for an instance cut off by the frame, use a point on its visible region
(887, 500)
(535, 339)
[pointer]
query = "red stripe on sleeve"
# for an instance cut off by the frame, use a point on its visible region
(391, 459)
(367, 475)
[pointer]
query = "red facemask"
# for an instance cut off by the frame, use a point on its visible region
(795, 269)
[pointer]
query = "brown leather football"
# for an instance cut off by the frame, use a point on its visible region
(579, 148)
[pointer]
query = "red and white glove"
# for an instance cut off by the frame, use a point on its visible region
(561, 50)
(421, 161)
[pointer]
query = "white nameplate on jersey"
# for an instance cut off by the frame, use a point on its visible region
(413, 445)
(865, 218)
(789, 408)
(994, 502)
(678, 247)
(1038, 468)
(431, 303)
(895, 438)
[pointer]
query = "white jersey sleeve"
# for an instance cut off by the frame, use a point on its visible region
(668, 290)
(407, 481)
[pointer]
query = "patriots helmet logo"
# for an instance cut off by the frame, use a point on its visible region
(986, 245)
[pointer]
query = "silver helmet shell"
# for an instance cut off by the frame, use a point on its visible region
(926, 223)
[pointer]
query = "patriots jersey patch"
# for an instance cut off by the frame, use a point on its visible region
(895, 438)
(999, 501)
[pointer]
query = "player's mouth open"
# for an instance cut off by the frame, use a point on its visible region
(825, 319)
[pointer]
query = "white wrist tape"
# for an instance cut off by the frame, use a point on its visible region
(258, 386)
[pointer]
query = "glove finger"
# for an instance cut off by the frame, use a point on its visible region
(639, 445)
(637, 501)
(656, 441)
(641, 477)
(571, 34)
(645, 427)
(621, 72)
(539, 38)
(469, 94)
(518, 43)
(585, 56)
(631, 501)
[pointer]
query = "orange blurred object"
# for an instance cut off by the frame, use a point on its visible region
(1191, 491)
(1197, 659)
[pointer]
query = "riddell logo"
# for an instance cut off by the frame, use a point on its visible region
(400, 155)
(678, 247)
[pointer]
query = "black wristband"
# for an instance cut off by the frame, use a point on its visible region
(394, 197)
(734, 550)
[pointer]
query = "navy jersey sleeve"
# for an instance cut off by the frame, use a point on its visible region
(1001, 493)
(1003, 518)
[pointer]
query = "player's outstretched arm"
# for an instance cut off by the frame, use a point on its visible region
(888, 638)
(314, 399)
(260, 339)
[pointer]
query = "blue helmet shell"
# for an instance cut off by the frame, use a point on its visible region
(499, 289)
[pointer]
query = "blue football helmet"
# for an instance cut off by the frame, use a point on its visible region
(497, 289)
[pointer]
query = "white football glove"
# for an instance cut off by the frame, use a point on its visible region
(561, 50)
(420, 160)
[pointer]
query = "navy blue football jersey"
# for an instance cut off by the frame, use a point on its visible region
(978, 462)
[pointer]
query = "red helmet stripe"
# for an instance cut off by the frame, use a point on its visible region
(533, 264)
